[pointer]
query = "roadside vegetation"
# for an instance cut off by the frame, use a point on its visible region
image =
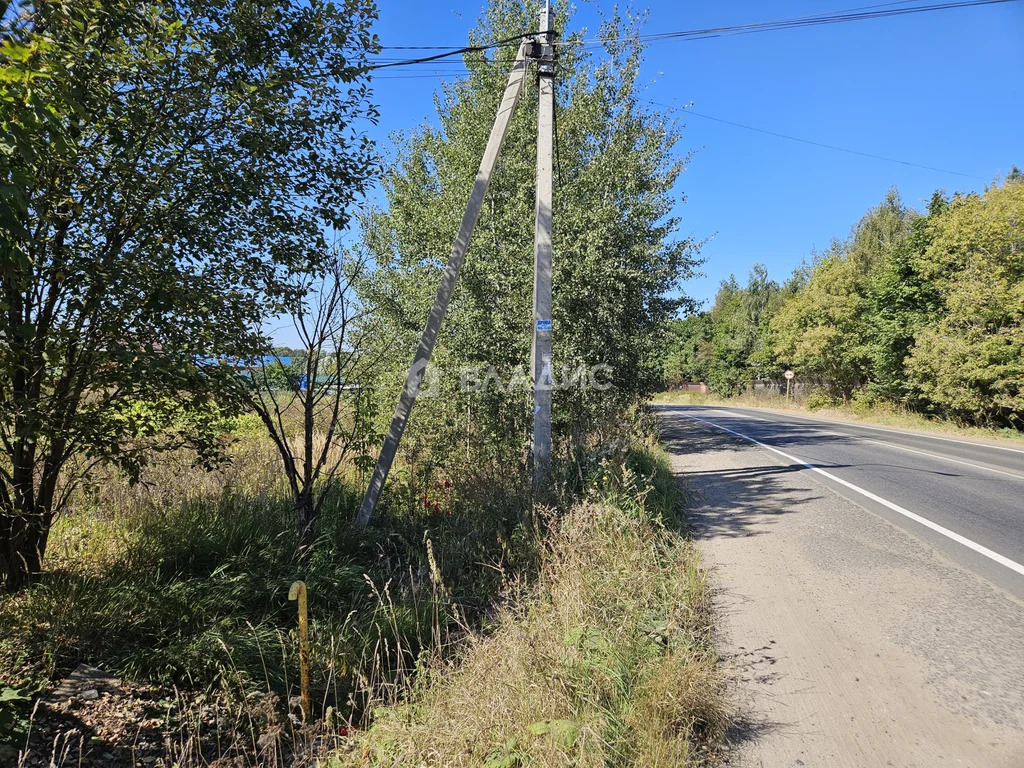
(175, 180)
(606, 660)
(170, 174)
(915, 313)
(180, 585)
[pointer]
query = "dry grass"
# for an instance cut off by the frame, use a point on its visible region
(882, 414)
(460, 630)
(180, 584)
(606, 661)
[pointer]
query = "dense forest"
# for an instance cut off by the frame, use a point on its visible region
(920, 310)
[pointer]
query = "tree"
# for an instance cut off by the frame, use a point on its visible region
(736, 349)
(314, 406)
(926, 311)
(729, 338)
(899, 301)
(618, 261)
(689, 354)
(824, 329)
(166, 170)
(818, 332)
(970, 362)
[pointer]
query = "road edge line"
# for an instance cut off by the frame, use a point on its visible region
(972, 545)
(980, 443)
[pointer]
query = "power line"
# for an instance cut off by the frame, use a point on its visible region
(776, 134)
(455, 52)
(689, 111)
(799, 22)
(791, 22)
(861, 13)
(434, 75)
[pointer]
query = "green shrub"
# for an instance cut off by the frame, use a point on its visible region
(183, 581)
(196, 597)
(822, 398)
(864, 401)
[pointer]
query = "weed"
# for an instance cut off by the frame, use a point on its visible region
(540, 632)
(606, 660)
(821, 398)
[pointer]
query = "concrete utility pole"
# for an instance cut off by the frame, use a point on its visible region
(540, 364)
(444, 292)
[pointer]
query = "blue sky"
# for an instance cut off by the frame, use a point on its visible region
(943, 89)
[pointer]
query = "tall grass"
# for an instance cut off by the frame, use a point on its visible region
(606, 660)
(182, 583)
(577, 631)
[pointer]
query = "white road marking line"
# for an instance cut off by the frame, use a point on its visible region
(940, 457)
(858, 425)
(985, 551)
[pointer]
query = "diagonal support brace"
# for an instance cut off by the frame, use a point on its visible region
(444, 293)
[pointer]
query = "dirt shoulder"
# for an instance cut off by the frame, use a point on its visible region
(852, 643)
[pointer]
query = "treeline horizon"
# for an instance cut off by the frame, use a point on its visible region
(920, 310)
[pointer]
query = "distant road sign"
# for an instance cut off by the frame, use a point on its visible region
(789, 374)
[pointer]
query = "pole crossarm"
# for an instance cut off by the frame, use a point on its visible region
(407, 399)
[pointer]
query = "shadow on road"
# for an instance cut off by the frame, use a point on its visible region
(743, 502)
(684, 435)
(738, 501)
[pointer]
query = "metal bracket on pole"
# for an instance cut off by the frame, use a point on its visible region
(540, 362)
(444, 292)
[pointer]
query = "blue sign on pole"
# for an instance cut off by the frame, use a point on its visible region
(543, 325)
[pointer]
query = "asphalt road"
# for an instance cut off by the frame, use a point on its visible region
(867, 588)
(964, 497)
